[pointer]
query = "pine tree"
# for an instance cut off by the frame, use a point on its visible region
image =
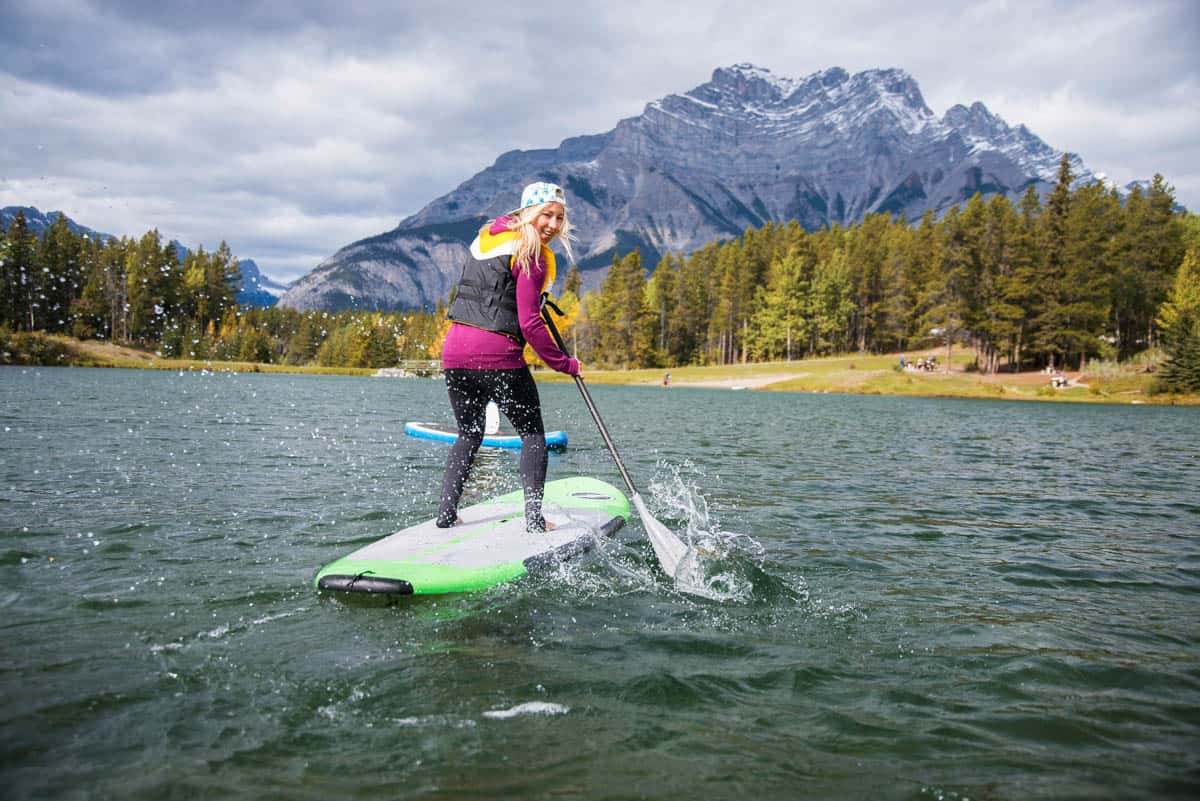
(1093, 228)
(924, 273)
(574, 281)
(896, 301)
(948, 295)
(1179, 321)
(7, 282)
(1151, 248)
(778, 326)
(1001, 318)
(750, 260)
(1020, 293)
(625, 324)
(335, 348)
(145, 278)
(1131, 304)
(831, 305)
(1053, 316)
(723, 335)
(865, 252)
(88, 317)
(254, 345)
(112, 259)
(193, 298)
(661, 299)
(171, 287)
(302, 346)
(693, 307)
(59, 275)
(585, 336)
(381, 348)
(19, 286)
(222, 279)
(968, 273)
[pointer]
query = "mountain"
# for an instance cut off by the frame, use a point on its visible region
(744, 149)
(39, 221)
(257, 289)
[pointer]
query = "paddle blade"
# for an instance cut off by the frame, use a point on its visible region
(669, 549)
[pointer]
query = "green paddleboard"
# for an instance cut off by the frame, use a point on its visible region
(490, 546)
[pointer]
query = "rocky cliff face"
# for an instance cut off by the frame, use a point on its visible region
(746, 148)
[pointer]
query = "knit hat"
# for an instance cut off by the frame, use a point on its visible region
(538, 193)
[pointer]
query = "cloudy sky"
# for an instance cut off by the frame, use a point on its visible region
(290, 129)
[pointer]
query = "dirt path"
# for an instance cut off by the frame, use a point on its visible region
(747, 382)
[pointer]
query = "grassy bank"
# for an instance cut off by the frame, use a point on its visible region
(854, 374)
(878, 375)
(55, 350)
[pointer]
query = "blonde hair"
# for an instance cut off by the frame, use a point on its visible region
(529, 246)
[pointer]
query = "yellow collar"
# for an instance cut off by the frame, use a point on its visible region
(488, 245)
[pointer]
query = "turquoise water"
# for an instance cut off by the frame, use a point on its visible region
(929, 599)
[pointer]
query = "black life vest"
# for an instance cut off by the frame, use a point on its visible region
(487, 297)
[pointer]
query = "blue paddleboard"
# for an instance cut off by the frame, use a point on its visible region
(440, 433)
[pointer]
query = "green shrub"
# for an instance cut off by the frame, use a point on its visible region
(20, 347)
(1180, 370)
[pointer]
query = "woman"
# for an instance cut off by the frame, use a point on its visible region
(495, 311)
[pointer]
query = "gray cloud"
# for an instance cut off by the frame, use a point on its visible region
(291, 129)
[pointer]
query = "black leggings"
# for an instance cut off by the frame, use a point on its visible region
(515, 393)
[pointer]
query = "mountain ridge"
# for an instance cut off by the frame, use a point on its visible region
(746, 148)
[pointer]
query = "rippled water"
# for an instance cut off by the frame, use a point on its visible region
(933, 600)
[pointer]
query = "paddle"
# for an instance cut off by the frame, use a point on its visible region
(669, 549)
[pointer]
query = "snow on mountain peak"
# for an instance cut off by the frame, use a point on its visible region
(830, 98)
(780, 85)
(745, 83)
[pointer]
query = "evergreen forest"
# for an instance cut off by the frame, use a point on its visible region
(1083, 274)
(138, 292)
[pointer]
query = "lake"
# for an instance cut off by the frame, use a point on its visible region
(927, 599)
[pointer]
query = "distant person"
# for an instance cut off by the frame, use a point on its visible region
(667, 380)
(495, 311)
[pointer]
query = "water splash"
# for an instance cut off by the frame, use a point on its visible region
(718, 565)
(541, 708)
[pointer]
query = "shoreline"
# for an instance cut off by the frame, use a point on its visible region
(878, 375)
(855, 374)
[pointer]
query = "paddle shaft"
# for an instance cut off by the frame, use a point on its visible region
(669, 549)
(587, 398)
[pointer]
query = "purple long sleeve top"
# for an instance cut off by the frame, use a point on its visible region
(471, 348)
